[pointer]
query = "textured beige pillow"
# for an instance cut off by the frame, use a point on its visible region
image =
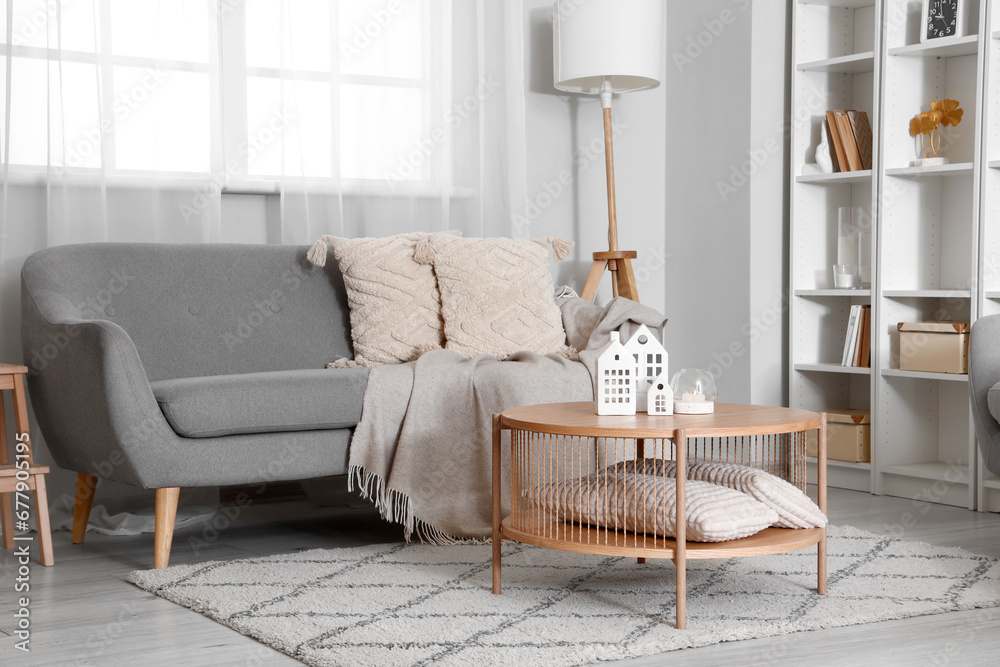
(497, 294)
(647, 504)
(794, 508)
(394, 300)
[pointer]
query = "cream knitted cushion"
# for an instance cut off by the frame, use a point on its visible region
(497, 294)
(394, 300)
(647, 504)
(794, 508)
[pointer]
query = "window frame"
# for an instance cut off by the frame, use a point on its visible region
(226, 66)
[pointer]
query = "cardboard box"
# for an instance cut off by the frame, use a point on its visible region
(848, 436)
(936, 347)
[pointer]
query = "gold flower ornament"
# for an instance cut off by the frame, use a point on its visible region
(928, 124)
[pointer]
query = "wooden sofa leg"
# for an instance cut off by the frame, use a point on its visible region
(166, 513)
(85, 486)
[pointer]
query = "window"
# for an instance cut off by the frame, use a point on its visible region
(313, 89)
(123, 95)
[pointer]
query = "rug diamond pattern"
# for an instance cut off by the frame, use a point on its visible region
(422, 605)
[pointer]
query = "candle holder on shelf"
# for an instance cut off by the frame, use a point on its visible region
(853, 268)
(694, 392)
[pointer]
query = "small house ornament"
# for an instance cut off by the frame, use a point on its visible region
(615, 379)
(650, 361)
(660, 398)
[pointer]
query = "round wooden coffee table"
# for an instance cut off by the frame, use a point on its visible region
(560, 442)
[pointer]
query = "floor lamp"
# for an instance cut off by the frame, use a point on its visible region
(602, 47)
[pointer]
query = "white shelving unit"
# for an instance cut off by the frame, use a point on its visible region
(989, 259)
(836, 56)
(930, 229)
(928, 250)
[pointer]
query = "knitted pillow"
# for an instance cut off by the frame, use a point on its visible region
(394, 300)
(794, 508)
(646, 504)
(497, 294)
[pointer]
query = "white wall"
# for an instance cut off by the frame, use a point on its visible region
(725, 232)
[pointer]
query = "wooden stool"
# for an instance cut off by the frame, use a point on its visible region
(12, 377)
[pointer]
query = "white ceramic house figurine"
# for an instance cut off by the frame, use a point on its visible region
(650, 361)
(615, 379)
(660, 399)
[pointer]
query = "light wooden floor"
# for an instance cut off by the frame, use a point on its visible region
(84, 613)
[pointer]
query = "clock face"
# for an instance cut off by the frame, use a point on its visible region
(941, 19)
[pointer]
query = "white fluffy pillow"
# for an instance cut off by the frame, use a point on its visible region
(647, 504)
(794, 508)
(497, 295)
(394, 300)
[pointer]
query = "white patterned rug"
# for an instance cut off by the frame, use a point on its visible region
(420, 605)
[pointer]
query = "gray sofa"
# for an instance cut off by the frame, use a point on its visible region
(984, 388)
(168, 366)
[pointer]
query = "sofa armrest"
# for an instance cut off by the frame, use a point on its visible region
(90, 392)
(984, 373)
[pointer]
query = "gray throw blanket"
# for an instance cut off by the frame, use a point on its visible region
(423, 448)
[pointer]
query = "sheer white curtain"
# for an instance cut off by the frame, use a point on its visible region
(386, 116)
(137, 120)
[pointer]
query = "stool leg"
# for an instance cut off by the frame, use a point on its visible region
(6, 499)
(85, 486)
(42, 520)
(166, 513)
(7, 520)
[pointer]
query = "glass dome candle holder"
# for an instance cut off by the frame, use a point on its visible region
(694, 392)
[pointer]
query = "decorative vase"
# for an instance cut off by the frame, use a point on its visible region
(823, 158)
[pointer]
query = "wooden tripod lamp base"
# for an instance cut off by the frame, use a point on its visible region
(619, 263)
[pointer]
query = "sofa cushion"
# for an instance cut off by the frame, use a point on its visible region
(394, 300)
(273, 402)
(497, 294)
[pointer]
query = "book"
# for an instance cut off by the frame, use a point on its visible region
(866, 339)
(859, 345)
(852, 336)
(849, 142)
(836, 146)
(863, 136)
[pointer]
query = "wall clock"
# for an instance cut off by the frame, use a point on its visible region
(943, 18)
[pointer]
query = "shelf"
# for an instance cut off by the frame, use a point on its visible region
(993, 294)
(833, 368)
(993, 164)
(852, 64)
(991, 482)
(849, 4)
(996, 34)
(945, 47)
(937, 471)
(839, 177)
(923, 375)
(833, 292)
(954, 169)
(927, 293)
(832, 463)
(555, 534)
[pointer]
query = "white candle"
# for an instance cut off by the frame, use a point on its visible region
(688, 397)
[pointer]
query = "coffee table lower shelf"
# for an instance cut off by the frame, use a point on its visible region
(592, 540)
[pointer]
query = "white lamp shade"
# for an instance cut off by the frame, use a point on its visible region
(620, 41)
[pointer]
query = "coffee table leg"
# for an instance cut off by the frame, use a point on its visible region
(680, 554)
(821, 497)
(640, 453)
(496, 504)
